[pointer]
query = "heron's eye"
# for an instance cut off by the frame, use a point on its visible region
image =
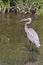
(27, 24)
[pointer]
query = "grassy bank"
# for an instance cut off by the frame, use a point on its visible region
(21, 4)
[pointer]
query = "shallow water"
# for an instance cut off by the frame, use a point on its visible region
(13, 37)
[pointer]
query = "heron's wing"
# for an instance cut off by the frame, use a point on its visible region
(33, 35)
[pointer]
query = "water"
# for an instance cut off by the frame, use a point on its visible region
(13, 37)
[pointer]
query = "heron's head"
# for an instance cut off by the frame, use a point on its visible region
(29, 19)
(26, 19)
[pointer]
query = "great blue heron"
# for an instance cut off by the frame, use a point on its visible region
(31, 35)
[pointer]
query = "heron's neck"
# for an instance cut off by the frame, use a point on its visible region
(26, 27)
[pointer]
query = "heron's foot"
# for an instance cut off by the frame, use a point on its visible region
(30, 48)
(33, 59)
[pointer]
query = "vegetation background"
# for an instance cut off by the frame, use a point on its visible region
(6, 3)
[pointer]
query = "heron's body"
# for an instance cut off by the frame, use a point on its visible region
(33, 37)
(31, 34)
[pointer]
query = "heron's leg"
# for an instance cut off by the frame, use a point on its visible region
(31, 52)
(30, 46)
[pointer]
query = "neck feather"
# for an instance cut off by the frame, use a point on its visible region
(26, 27)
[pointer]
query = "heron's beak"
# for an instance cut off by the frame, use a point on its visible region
(26, 19)
(22, 20)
